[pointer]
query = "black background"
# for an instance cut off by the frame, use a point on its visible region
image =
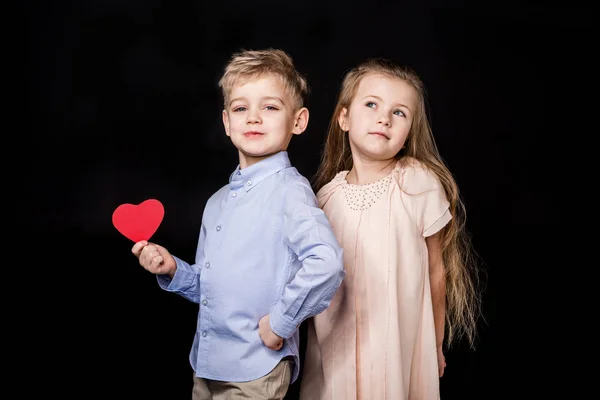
(125, 106)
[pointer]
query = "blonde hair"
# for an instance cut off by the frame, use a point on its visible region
(251, 64)
(462, 290)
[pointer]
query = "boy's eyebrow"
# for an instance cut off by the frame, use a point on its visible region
(279, 99)
(380, 99)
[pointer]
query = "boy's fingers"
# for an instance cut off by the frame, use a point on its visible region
(156, 263)
(137, 248)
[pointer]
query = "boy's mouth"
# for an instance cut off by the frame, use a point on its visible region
(251, 134)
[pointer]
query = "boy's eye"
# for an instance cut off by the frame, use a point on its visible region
(239, 109)
(371, 104)
(271, 108)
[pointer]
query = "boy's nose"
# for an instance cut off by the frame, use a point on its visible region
(253, 119)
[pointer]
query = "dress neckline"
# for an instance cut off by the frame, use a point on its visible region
(367, 185)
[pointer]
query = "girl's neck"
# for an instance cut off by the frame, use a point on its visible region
(366, 171)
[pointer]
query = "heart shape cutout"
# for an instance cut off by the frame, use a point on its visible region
(138, 221)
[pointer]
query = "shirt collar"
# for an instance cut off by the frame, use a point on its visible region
(254, 174)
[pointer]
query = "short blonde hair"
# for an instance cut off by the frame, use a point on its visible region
(251, 64)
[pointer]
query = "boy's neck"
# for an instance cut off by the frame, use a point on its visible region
(248, 161)
(368, 171)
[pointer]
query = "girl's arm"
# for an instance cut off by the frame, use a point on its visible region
(437, 279)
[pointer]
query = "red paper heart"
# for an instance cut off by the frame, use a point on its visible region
(138, 222)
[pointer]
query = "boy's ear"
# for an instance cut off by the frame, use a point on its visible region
(343, 119)
(226, 122)
(301, 121)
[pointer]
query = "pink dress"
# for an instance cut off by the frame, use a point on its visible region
(377, 339)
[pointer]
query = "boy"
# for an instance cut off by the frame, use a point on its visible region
(267, 257)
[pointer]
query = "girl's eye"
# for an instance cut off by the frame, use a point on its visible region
(239, 109)
(371, 104)
(400, 113)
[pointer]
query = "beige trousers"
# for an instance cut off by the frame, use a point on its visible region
(272, 386)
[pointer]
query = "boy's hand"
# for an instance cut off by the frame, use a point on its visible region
(269, 338)
(154, 258)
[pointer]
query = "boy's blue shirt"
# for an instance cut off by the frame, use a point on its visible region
(265, 247)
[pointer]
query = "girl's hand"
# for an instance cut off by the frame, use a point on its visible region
(441, 361)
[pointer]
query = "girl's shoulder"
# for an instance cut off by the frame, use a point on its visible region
(330, 188)
(413, 177)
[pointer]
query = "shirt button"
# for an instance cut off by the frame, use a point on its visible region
(233, 194)
(204, 302)
(204, 334)
(249, 183)
(218, 228)
(207, 265)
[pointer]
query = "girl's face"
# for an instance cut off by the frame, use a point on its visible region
(380, 117)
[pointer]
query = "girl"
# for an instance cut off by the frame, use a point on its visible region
(396, 211)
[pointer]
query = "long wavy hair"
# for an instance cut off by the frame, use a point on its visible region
(463, 301)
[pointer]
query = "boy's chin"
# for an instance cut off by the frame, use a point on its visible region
(252, 155)
(257, 149)
(257, 153)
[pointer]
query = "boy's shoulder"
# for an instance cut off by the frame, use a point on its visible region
(223, 190)
(216, 197)
(295, 189)
(290, 179)
(291, 176)
(280, 183)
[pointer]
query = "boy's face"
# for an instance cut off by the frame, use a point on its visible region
(260, 118)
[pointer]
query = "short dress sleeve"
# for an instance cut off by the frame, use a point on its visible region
(427, 195)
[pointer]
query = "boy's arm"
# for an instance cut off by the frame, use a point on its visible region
(186, 281)
(308, 233)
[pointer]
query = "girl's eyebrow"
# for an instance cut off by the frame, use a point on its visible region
(380, 99)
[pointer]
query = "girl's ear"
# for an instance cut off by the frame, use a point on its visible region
(343, 119)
